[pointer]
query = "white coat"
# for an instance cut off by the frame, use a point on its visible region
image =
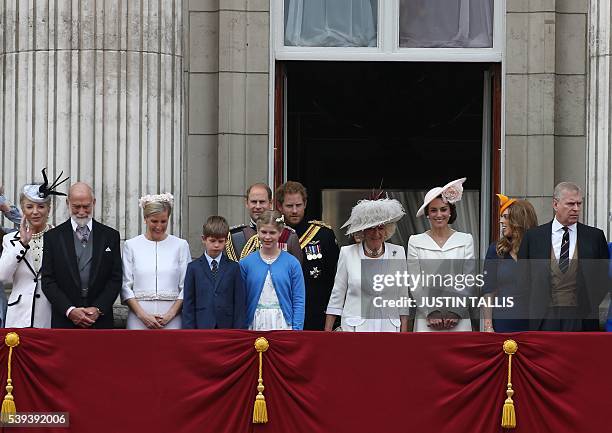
(354, 303)
(426, 257)
(27, 305)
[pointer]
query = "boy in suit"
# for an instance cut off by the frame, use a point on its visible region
(214, 292)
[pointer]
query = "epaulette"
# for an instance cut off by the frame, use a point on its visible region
(320, 224)
(237, 228)
(291, 229)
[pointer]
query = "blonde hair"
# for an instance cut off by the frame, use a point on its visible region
(521, 217)
(155, 207)
(272, 217)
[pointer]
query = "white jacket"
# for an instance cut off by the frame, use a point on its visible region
(354, 303)
(27, 305)
(425, 256)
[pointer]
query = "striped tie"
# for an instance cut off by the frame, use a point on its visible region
(564, 256)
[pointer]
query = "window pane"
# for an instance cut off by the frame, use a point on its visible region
(446, 23)
(331, 23)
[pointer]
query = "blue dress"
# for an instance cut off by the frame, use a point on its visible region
(501, 278)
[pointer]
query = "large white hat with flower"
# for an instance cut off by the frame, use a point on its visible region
(451, 193)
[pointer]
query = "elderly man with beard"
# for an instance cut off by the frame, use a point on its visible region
(81, 270)
(243, 240)
(320, 250)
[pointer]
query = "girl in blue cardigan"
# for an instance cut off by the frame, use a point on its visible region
(274, 280)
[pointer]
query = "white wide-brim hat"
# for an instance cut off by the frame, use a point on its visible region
(433, 193)
(372, 213)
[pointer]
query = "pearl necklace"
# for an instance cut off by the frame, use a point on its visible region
(36, 248)
(373, 253)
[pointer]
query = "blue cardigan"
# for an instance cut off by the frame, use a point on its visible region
(288, 280)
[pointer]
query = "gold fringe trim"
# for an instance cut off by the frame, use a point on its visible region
(8, 404)
(260, 411)
(509, 413)
(253, 244)
(229, 248)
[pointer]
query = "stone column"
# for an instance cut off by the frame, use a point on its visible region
(227, 136)
(94, 88)
(599, 127)
(545, 98)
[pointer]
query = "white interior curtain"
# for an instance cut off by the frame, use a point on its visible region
(330, 23)
(446, 23)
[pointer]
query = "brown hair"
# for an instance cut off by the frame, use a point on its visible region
(216, 226)
(290, 187)
(272, 217)
(453, 210)
(521, 217)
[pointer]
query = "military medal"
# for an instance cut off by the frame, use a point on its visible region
(315, 272)
(313, 251)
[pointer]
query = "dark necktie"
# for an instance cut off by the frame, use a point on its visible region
(83, 234)
(564, 255)
(215, 268)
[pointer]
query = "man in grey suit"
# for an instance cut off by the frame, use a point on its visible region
(81, 270)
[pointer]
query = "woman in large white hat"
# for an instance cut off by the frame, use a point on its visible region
(439, 255)
(374, 222)
(22, 253)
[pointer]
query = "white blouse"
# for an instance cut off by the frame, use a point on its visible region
(154, 271)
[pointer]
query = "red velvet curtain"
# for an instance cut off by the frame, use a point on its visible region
(186, 381)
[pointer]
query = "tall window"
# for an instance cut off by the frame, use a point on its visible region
(424, 30)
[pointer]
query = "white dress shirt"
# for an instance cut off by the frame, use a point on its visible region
(210, 259)
(557, 237)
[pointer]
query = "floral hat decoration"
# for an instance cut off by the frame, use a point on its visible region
(452, 193)
(160, 198)
(42, 192)
(373, 212)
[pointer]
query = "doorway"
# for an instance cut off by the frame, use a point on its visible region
(351, 126)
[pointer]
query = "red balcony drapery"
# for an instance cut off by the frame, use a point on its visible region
(186, 381)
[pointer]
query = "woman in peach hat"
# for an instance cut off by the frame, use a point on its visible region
(438, 256)
(501, 268)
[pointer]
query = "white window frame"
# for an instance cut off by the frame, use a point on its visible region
(387, 48)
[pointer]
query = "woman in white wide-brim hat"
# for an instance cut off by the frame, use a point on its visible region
(374, 221)
(440, 255)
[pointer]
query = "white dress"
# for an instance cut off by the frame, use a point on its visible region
(153, 274)
(27, 305)
(424, 254)
(268, 314)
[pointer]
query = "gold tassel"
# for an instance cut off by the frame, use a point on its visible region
(260, 411)
(8, 404)
(509, 414)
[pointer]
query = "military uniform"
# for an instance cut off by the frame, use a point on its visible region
(243, 240)
(320, 251)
